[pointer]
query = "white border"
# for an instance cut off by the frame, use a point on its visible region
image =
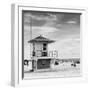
(17, 46)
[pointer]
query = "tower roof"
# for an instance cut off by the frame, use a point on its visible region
(41, 39)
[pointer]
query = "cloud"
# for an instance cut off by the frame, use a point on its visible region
(44, 29)
(50, 17)
(67, 48)
(64, 28)
(71, 22)
(37, 30)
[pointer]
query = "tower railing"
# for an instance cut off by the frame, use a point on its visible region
(41, 53)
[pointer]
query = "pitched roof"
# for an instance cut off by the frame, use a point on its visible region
(41, 39)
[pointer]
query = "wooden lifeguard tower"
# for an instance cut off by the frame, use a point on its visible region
(40, 57)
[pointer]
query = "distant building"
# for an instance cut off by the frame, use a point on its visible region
(40, 57)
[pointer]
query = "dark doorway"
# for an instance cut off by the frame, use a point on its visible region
(43, 63)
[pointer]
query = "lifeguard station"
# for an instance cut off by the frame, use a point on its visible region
(41, 60)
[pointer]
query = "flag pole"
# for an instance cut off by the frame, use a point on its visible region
(30, 36)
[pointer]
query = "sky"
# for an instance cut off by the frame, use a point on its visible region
(62, 27)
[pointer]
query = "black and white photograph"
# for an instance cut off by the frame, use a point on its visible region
(51, 44)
